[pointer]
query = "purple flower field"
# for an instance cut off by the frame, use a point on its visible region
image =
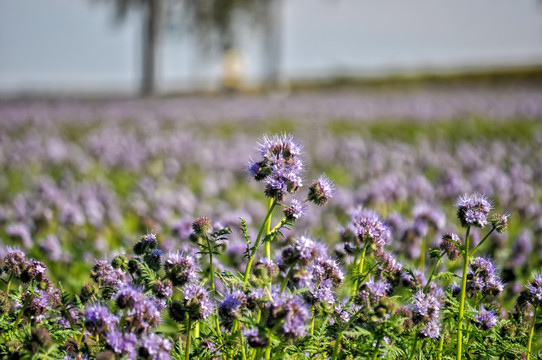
(325, 225)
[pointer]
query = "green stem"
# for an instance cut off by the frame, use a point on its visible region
(26, 302)
(80, 340)
(432, 273)
(285, 281)
(481, 242)
(359, 270)
(312, 320)
(463, 292)
(337, 345)
(375, 354)
(211, 269)
(268, 230)
(253, 253)
(242, 345)
(268, 352)
(258, 354)
(196, 330)
(188, 338)
(414, 343)
(440, 347)
(9, 284)
(531, 333)
(421, 259)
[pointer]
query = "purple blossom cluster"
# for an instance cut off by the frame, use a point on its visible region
(483, 278)
(280, 166)
(368, 226)
(473, 210)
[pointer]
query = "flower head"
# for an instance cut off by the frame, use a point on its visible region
(426, 307)
(196, 302)
(98, 319)
(369, 226)
(321, 190)
(473, 210)
(180, 269)
(155, 347)
(231, 306)
(450, 245)
(255, 339)
(431, 330)
(296, 210)
(482, 277)
(485, 319)
(303, 251)
(280, 166)
(534, 290)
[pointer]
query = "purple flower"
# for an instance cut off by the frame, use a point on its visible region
(295, 318)
(296, 210)
(34, 270)
(326, 269)
(321, 190)
(127, 297)
(144, 315)
(534, 290)
(473, 210)
(155, 347)
(371, 292)
(388, 263)
(280, 166)
(147, 242)
(102, 272)
(425, 215)
(163, 289)
(426, 307)
(255, 339)
(256, 298)
(304, 251)
(485, 319)
(14, 262)
(323, 293)
(431, 330)
(20, 232)
(180, 269)
(231, 306)
(482, 277)
(197, 303)
(276, 188)
(450, 245)
(369, 226)
(115, 341)
(98, 319)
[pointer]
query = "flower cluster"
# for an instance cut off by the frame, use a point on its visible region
(280, 166)
(473, 210)
(483, 278)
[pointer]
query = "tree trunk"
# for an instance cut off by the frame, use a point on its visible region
(151, 37)
(272, 43)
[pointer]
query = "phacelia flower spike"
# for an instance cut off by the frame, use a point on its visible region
(473, 210)
(321, 190)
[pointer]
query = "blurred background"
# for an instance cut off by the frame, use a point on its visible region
(119, 117)
(133, 47)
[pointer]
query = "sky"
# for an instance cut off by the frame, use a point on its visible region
(74, 45)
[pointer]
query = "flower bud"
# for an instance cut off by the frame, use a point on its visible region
(120, 262)
(201, 225)
(500, 223)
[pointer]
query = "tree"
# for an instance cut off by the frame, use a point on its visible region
(152, 32)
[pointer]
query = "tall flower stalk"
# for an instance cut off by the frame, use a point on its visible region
(463, 294)
(472, 210)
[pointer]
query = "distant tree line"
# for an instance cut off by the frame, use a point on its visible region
(214, 22)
